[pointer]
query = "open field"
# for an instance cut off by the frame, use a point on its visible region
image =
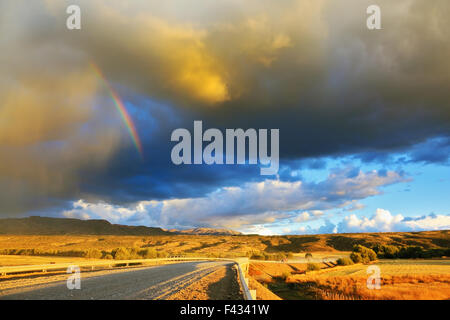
(394, 268)
(400, 279)
(319, 256)
(214, 245)
(12, 260)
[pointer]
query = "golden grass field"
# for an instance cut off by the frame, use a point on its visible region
(13, 260)
(400, 280)
(239, 245)
(172, 245)
(394, 268)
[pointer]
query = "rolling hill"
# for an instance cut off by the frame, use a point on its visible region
(40, 231)
(207, 232)
(63, 226)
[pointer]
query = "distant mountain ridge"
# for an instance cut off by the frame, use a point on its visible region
(207, 232)
(36, 225)
(65, 226)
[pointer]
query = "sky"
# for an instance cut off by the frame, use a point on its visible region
(86, 115)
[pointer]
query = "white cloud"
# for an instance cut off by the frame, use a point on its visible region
(114, 214)
(259, 229)
(355, 206)
(304, 216)
(385, 221)
(251, 204)
(317, 213)
(431, 222)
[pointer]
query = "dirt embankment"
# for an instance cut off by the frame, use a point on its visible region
(222, 284)
(262, 293)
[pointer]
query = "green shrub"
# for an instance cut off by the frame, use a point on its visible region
(148, 253)
(261, 255)
(312, 267)
(412, 252)
(356, 257)
(366, 254)
(257, 255)
(162, 254)
(120, 253)
(390, 252)
(133, 253)
(344, 261)
(408, 252)
(308, 256)
(93, 253)
(372, 255)
(68, 253)
(276, 256)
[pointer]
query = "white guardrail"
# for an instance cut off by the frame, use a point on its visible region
(242, 266)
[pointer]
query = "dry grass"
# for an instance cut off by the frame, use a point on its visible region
(231, 245)
(33, 260)
(172, 245)
(262, 293)
(400, 280)
(403, 287)
(272, 270)
(394, 268)
(266, 272)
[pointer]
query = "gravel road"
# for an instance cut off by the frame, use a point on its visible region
(157, 282)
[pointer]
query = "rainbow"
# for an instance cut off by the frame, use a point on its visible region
(121, 108)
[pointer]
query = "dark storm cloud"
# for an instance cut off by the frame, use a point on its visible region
(434, 151)
(310, 68)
